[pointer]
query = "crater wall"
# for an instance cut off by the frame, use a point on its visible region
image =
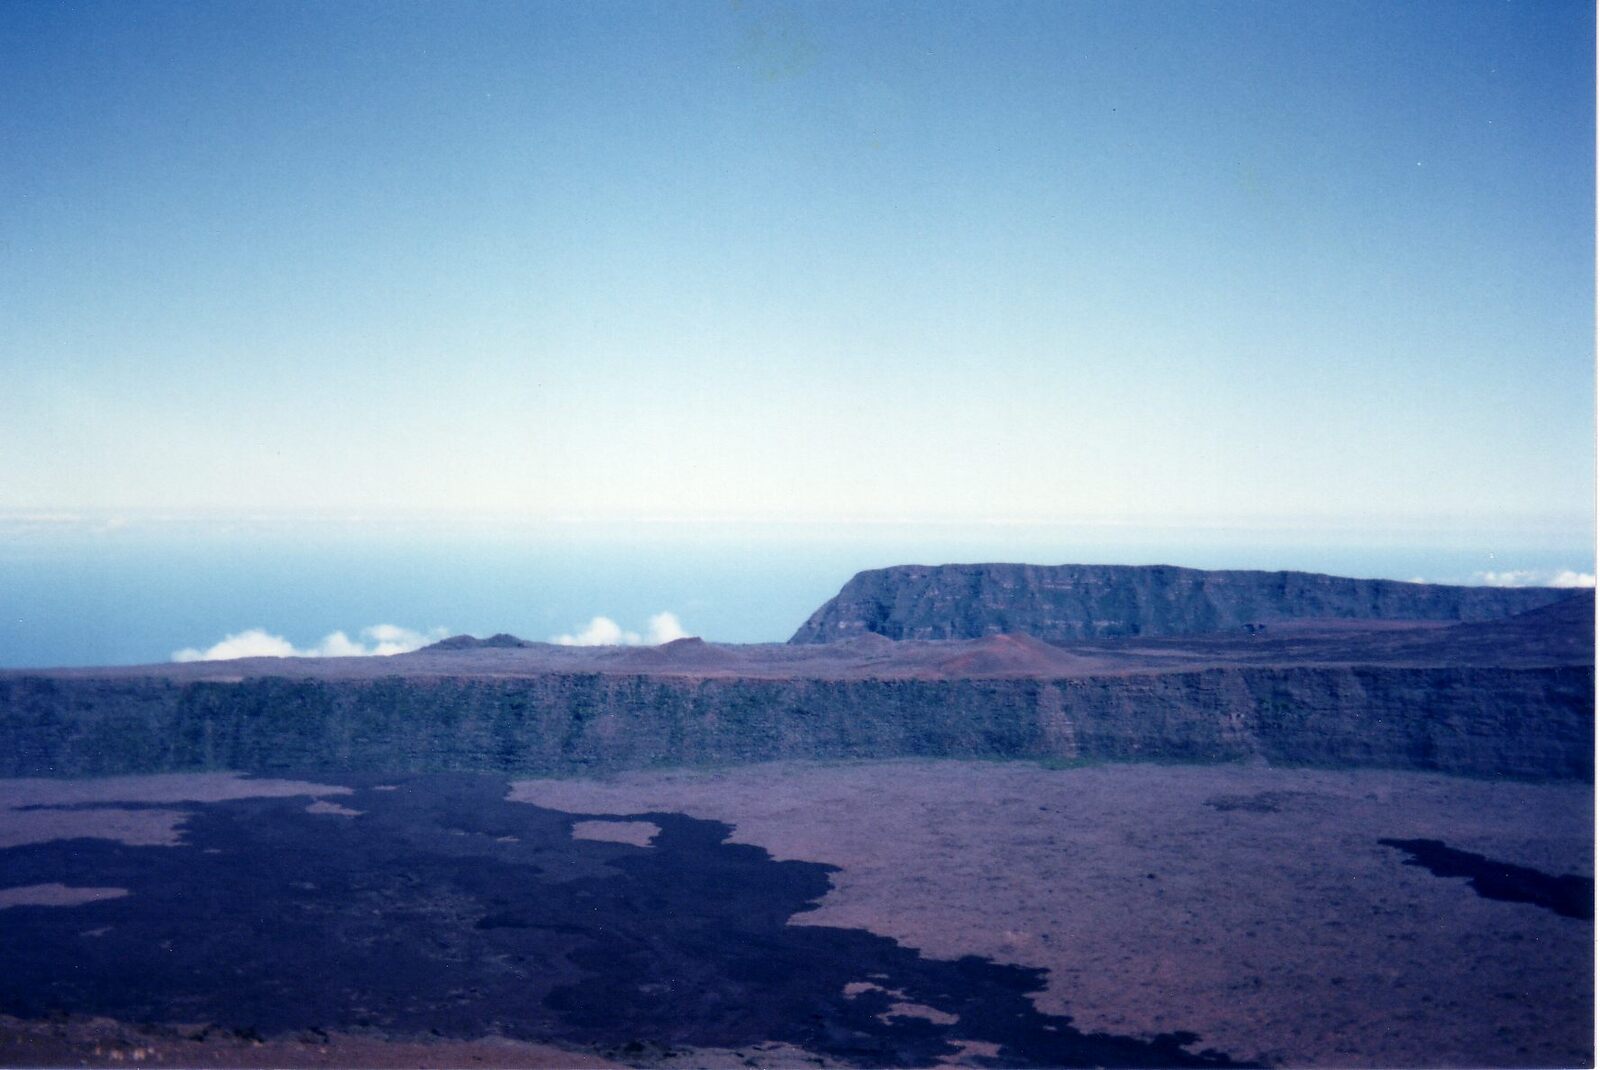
(1531, 723)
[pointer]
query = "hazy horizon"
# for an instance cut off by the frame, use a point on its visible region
(127, 589)
(509, 316)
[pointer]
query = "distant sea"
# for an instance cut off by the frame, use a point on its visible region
(112, 591)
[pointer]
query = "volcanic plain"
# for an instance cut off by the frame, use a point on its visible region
(1233, 834)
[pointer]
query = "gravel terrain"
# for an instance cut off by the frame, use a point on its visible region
(1254, 906)
(877, 913)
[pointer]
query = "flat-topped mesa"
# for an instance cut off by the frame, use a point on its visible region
(1512, 696)
(1074, 602)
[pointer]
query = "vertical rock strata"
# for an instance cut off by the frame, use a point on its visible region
(1027, 662)
(1075, 602)
(1527, 723)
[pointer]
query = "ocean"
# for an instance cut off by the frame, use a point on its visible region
(113, 591)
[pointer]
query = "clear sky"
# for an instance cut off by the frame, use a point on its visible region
(1301, 262)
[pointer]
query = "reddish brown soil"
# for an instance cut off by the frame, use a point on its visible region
(138, 824)
(1254, 906)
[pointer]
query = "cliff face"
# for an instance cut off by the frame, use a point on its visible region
(1493, 694)
(1077, 602)
(1530, 723)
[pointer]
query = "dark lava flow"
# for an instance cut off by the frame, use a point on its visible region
(1569, 896)
(446, 910)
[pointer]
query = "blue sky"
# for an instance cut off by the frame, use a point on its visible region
(1323, 265)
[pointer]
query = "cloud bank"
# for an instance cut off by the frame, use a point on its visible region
(1527, 577)
(379, 640)
(603, 631)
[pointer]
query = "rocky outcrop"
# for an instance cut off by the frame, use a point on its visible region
(1024, 663)
(1078, 602)
(1530, 723)
(498, 641)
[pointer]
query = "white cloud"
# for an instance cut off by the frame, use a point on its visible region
(378, 640)
(1520, 577)
(337, 645)
(664, 628)
(603, 631)
(1527, 577)
(253, 643)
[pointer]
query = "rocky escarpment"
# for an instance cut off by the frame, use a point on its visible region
(1530, 723)
(1077, 602)
(1494, 696)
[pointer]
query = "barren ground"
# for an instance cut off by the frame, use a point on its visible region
(1254, 907)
